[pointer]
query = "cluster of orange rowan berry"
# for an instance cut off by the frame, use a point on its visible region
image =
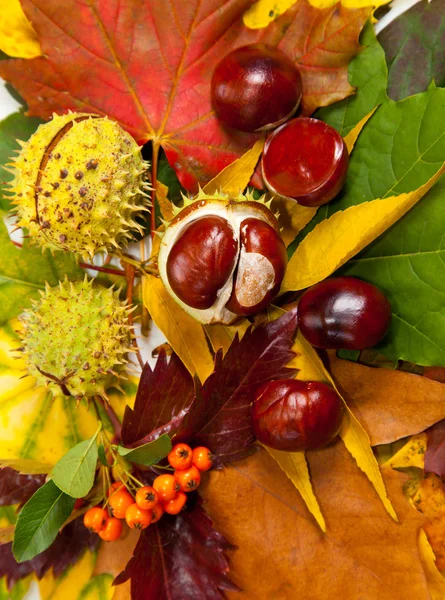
(167, 494)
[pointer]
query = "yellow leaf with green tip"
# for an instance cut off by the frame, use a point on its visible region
(35, 428)
(68, 585)
(17, 36)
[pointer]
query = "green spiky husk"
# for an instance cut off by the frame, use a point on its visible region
(79, 185)
(76, 338)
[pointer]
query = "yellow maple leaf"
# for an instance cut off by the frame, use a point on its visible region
(17, 36)
(337, 239)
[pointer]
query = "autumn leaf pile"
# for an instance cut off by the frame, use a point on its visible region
(361, 518)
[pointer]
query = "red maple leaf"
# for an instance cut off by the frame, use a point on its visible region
(148, 65)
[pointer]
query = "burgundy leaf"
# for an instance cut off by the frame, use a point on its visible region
(435, 452)
(220, 414)
(16, 488)
(162, 397)
(179, 557)
(66, 550)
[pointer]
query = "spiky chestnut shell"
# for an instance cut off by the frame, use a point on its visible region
(79, 185)
(76, 338)
(221, 257)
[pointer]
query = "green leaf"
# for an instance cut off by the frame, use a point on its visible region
(24, 271)
(148, 454)
(414, 47)
(406, 261)
(408, 264)
(39, 521)
(14, 127)
(102, 455)
(74, 473)
(368, 73)
(99, 587)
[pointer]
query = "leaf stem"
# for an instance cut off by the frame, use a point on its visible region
(130, 272)
(154, 182)
(114, 419)
(108, 270)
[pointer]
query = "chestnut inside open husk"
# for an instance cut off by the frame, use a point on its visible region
(221, 258)
(294, 415)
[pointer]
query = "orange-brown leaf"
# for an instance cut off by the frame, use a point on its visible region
(389, 404)
(281, 552)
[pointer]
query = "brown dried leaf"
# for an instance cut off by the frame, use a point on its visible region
(281, 552)
(389, 404)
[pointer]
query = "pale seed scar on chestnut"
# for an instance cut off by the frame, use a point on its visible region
(222, 258)
(255, 88)
(344, 313)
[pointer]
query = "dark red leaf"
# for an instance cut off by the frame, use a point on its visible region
(180, 557)
(67, 549)
(163, 396)
(435, 451)
(220, 414)
(148, 65)
(16, 488)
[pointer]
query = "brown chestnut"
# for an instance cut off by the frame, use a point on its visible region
(305, 160)
(255, 88)
(221, 258)
(261, 267)
(201, 260)
(295, 415)
(344, 313)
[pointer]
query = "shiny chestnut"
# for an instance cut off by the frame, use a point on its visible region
(305, 160)
(344, 313)
(295, 415)
(221, 258)
(261, 267)
(255, 88)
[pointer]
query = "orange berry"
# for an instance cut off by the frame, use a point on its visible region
(119, 502)
(158, 511)
(176, 505)
(202, 458)
(95, 518)
(180, 457)
(167, 487)
(112, 530)
(117, 485)
(137, 518)
(146, 497)
(189, 479)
